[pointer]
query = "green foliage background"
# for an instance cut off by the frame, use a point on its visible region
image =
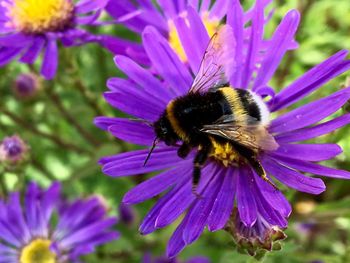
(65, 145)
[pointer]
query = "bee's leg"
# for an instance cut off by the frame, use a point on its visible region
(184, 150)
(249, 155)
(261, 171)
(199, 160)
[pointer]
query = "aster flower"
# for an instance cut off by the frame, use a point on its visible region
(193, 18)
(29, 28)
(26, 85)
(48, 229)
(222, 188)
(13, 151)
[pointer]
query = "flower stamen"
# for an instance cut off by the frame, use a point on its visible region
(38, 251)
(40, 16)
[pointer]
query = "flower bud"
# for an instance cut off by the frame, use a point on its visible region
(13, 151)
(26, 86)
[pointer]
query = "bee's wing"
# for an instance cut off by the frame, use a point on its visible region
(218, 61)
(248, 133)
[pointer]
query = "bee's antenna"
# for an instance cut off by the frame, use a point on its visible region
(155, 142)
(150, 124)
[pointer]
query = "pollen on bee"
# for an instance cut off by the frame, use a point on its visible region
(38, 17)
(211, 24)
(225, 153)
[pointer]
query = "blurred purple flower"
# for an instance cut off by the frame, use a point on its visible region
(33, 232)
(147, 258)
(145, 96)
(126, 214)
(26, 85)
(175, 21)
(28, 28)
(13, 150)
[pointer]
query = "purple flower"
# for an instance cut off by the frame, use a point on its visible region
(147, 258)
(29, 28)
(26, 85)
(177, 21)
(48, 229)
(126, 214)
(13, 150)
(222, 188)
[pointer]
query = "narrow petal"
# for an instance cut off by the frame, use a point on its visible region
(183, 199)
(150, 84)
(311, 80)
(235, 20)
(157, 184)
(166, 62)
(309, 152)
(200, 211)
(7, 54)
(50, 60)
(280, 42)
(245, 199)
(256, 36)
(310, 113)
(176, 243)
(86, 6)
(132, 132)
(313, 168)
(293, 179)
(134, 102)
(273, 197)
(224, 202)
(315, 131)
(126, 164)
(33, 51)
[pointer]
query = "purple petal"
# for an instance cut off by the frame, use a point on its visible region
(311, 80)
(50, 60)
(280, 42)
(166, 62)
(235, 20)
(182, 199)
(313, 168)
(157, 184)
(15, 40)
(273, 197)
(310, 113)
(256, 36)
(176, 243)
(33, 51)
(86, 6)
(245, 199)
(224, 202)
(7, 54)
(293, 179)
(132, 163)
(309, 152)
(198, 214)
(133, 132)
(134, 102)
(315, 131)
(151, 85)
(148, 224)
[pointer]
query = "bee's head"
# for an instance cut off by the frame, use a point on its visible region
(164, 131)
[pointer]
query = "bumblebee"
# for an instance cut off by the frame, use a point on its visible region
(221, 122)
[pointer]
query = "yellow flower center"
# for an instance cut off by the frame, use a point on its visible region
(40, 16)
(212, 25)
(225, 154)
(38, 251)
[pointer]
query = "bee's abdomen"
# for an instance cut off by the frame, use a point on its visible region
(245, 102)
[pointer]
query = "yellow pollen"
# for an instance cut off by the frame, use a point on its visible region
(40, 16)
(38, 251)
(225, 154)
(212, 25)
